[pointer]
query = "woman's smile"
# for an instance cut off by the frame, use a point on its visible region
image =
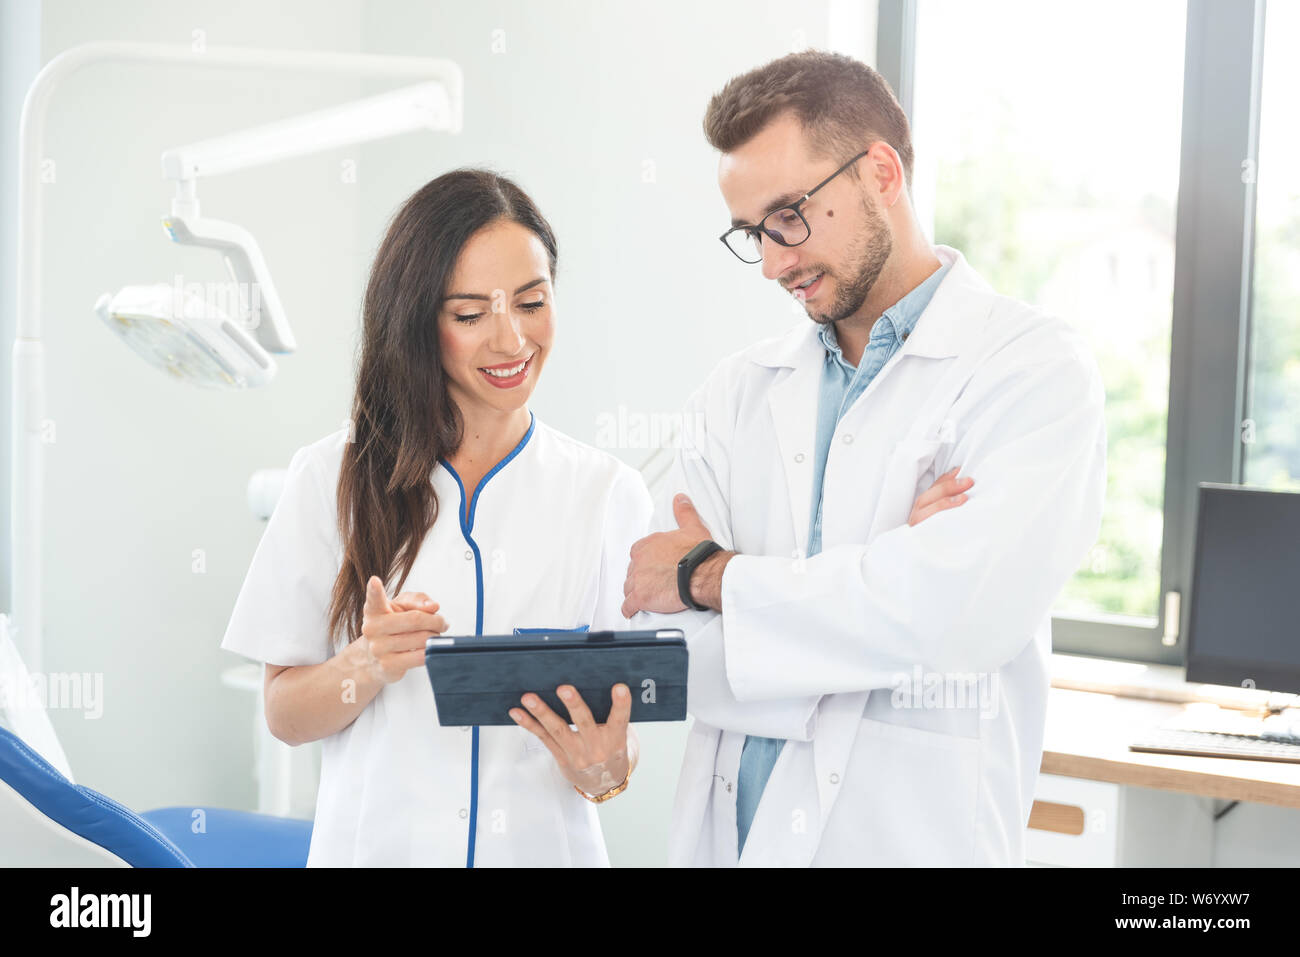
(508, 375)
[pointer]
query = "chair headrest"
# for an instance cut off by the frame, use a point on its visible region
(82, 811)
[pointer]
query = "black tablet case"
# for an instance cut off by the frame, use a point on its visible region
(477, 679)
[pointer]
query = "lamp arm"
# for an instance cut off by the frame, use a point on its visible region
(422, 106)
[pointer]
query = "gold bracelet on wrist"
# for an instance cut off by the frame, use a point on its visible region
(618, 789)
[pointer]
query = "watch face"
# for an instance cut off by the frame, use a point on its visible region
(699, 551)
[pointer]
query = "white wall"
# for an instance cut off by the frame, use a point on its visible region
(20, 60)
(596, 108)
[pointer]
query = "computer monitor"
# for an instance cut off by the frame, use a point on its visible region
(1244, 626)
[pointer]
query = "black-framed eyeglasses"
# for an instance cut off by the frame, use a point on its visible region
(789, 227)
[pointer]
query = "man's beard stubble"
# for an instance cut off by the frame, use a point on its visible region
(867, 260)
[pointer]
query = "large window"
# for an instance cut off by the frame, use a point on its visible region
(1056, 175)
(1271, 431)
(1134, 169)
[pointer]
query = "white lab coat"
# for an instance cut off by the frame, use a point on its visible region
(812, 650)
(547, 547)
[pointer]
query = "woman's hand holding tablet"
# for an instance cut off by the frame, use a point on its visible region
(596, 758)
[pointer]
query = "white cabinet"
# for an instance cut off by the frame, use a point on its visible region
(1082, 823)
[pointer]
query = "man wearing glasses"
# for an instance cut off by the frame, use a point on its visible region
(869, 667)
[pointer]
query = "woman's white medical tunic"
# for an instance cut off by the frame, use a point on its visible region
(544, 545)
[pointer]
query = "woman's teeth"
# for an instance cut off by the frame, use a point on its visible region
(507, 373)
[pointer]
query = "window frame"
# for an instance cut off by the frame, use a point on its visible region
(1213, 282)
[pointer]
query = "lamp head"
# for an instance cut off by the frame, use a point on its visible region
(187, 337)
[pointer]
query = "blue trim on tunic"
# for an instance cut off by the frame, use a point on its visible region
(467, 530)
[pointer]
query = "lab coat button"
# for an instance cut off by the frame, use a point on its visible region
(469, 556)
(798, 456)
(848, 440)
(464, 813)
(835, 778)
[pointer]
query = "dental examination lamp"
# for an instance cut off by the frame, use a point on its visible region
(189, 338)
(198, 341)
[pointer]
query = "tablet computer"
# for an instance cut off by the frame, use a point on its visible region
(477, 679)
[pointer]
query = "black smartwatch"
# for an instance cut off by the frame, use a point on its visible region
(687, 566)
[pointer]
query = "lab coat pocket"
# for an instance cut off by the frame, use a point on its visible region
(911, 469)
(920, 788)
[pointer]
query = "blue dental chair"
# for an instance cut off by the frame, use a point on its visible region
(47, 821)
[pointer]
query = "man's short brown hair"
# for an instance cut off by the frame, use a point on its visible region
(842, 104)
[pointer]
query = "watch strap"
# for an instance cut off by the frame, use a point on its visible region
(687, 566)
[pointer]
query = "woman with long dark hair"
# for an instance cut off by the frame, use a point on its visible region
(447, 493)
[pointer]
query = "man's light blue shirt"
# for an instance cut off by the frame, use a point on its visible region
(841, 384)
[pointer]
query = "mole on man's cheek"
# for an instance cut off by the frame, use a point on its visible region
(830, 212)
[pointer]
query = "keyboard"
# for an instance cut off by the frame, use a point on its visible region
(1212, 744)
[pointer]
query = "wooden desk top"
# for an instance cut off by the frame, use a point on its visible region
(1088, 733)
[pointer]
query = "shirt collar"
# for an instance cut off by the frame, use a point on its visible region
(898, 320)
(955, 320)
